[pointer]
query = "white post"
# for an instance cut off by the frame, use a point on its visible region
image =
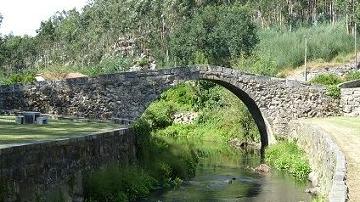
(355, 34)
(305, 73)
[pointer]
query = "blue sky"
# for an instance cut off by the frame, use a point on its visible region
(24, 16)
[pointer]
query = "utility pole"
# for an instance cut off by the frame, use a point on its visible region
(305, 73)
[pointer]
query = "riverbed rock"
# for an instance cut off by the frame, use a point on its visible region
(313, 190)
(314, 179)
(185, 117)
(263, 169)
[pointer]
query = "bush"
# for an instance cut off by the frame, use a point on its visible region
(354, 75)
(327, 79)
(333, 91)
(24, 78)
(330, 81)
(288, 157)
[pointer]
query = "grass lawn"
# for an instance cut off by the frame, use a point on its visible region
(348, 125)
(12, 133)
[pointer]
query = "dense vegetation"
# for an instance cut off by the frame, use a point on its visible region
(111, 35)
(169, 152)
(288, 157)
(331, 81)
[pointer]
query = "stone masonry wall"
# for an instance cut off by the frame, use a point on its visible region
(350, 98)
(326, 159)
(31, 171)
(127, 95)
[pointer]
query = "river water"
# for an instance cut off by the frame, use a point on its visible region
(230, 178)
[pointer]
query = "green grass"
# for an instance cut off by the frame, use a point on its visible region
(12, 133)
(288, 157)
(346, 124)
(279, 49)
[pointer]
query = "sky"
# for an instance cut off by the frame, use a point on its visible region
(24, 16)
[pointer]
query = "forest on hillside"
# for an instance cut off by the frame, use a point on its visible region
(107, 36)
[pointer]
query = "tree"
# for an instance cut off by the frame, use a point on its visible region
(221, 33)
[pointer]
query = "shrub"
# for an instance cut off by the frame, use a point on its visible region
(330, 81)
(327, 79)
(288, 157)
(354, 75)
(333, 91)
(24, 78)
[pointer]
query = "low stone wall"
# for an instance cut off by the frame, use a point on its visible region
(326, 159)
(350, 98)
(32, 172)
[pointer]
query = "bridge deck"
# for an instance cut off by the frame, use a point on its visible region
(346, 133)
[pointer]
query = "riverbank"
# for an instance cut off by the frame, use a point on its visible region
(326, 158)
(345, 132)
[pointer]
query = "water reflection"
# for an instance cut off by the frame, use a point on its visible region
(230, 178)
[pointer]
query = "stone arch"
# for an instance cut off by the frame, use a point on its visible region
(261, 123)
(252, 107)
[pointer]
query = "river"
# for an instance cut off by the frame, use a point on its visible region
(230, 178)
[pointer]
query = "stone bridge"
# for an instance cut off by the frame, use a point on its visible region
(272, 102)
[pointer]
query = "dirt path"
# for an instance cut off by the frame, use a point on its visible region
(346, 133)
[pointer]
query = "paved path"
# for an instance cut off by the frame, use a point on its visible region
(346, 133)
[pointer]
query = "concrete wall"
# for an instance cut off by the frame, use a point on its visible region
(350, 98)
(33, 171)
(326, 159)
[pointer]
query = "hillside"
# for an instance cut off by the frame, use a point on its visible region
(110, 36)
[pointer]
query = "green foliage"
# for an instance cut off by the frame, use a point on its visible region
(330, 81)
(256, 64)
(333, 91)
(108, 66)
(288, 157)
(24, 78)
(213, 33)
(184, 32)
(354, 75)
(279, 49)
(326, 79)
(118, 183)
(318, 199)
